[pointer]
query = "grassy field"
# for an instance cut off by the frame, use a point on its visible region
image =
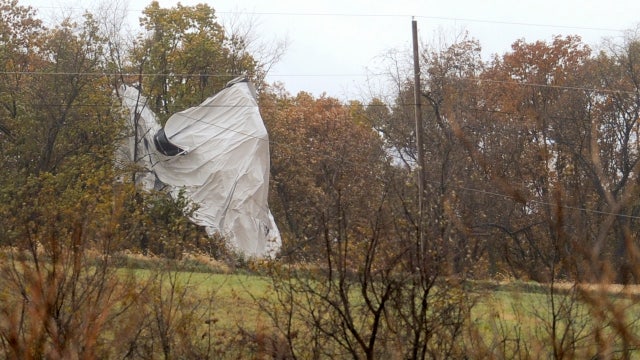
(509, 318)
(572, 319)
(231, 296)
(203, 311)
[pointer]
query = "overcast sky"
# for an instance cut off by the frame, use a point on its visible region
(335, 45)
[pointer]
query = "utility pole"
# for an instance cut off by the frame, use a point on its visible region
(419, 131)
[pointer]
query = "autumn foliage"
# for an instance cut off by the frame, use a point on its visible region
(531, 176)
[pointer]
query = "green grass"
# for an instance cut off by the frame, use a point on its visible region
(515, 316)
(531, 314)
(230, 298)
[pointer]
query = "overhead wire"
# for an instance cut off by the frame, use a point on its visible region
(366, 15)
(230, 75)
(463, 188)
(458, 187)
(272, 142)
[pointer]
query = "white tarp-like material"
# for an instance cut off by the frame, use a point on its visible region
(217, 153)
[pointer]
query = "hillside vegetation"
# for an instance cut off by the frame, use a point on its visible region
(522, 244)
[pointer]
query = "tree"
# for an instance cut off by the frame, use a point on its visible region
(358, 286)
(61, 119)
(528, 112)
(450, 97)
(186, 58)
(614, 156)
(18, 41)
(325, 163)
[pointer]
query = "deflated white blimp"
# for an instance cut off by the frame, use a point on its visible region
(217, 154)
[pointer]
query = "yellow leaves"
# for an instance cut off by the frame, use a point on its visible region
(189, 56)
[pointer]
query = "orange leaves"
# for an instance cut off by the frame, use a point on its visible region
(322, 158)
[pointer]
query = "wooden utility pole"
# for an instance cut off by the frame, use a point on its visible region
(419, 131)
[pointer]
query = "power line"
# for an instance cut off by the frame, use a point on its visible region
(456, 19)
(497, 22)
(550, 86)
(540, 202)
(99, 74)
(230, 75)
(373, 15)
(463, 188)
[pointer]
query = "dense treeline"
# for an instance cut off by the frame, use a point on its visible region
(530, 159)
(531, 173)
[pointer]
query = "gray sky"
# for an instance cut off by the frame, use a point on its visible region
(335, 45)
